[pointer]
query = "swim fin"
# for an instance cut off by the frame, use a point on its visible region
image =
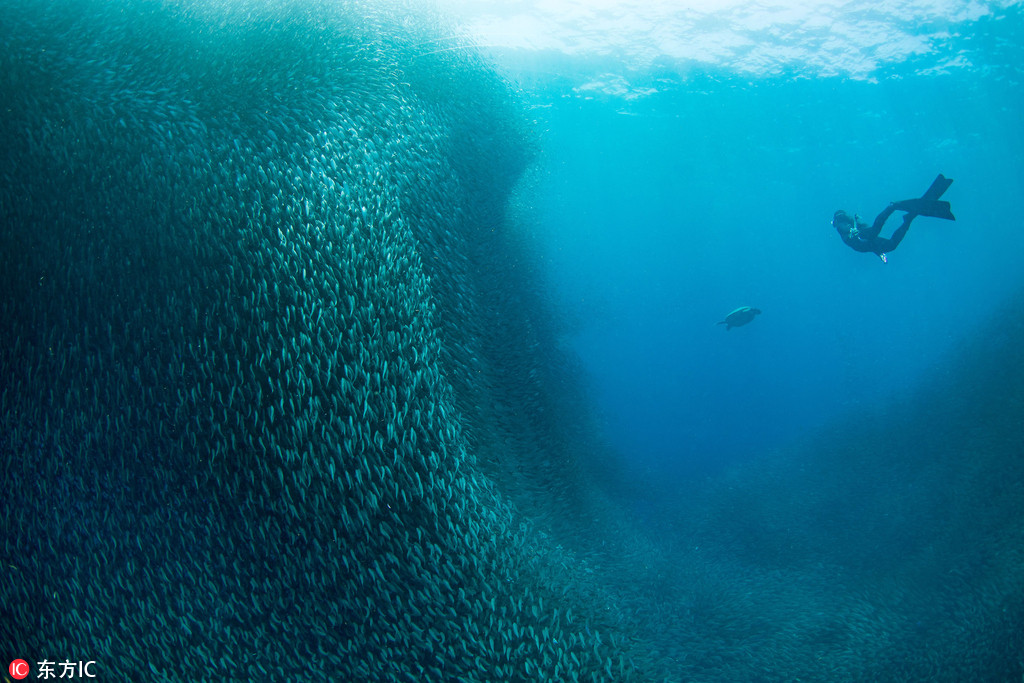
(938, 188)
(926, 207)
(929, 204)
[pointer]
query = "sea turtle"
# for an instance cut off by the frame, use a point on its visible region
(741, 316)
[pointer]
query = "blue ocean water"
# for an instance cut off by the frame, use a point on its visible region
(678, 189)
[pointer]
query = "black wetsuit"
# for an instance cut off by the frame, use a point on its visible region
(864, 238)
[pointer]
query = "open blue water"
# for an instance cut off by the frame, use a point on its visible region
(676, 187)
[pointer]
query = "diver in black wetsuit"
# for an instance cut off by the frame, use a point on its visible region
(865, 238)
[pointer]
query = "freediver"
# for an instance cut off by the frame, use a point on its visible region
(864, 238)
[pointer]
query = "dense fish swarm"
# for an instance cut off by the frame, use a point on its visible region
(239, 322)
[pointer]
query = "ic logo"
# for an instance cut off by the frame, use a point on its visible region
(18, 669)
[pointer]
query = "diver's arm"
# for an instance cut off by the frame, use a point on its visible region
(848, 239)
(854, 241)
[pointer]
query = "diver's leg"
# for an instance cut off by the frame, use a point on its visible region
(897, 236)
(876, 227)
